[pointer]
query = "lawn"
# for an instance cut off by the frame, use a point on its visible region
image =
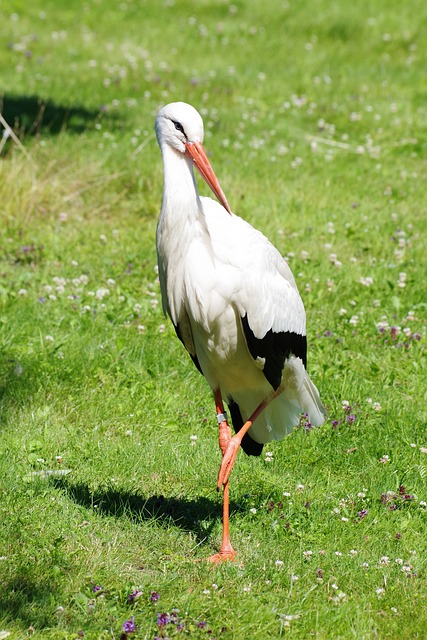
(315, 122)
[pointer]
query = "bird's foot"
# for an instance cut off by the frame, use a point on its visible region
(228, 460)
(224, 555)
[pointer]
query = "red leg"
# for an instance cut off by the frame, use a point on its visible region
(226, 551)
(229, 455)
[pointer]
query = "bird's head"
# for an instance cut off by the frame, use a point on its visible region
(180, 126)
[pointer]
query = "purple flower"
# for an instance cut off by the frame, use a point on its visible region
(200, 625)
(133, 596)
(351, 418)
(362, 513)
(129, 625)
(97, 588)
(163, 619)
(154, 596)
(335, 423)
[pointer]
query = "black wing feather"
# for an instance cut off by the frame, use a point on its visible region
(275, 348)
(193, 357)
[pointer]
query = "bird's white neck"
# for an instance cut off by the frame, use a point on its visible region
(180, 202)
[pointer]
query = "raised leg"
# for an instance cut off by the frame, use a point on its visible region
(226, 551)
(230, 453)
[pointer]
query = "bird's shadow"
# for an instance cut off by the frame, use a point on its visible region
(33, 115)
(198, 516)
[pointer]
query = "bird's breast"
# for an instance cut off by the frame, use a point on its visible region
(223, 354)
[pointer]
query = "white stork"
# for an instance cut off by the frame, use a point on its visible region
(234, 304)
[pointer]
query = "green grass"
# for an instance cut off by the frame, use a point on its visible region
(315, 118)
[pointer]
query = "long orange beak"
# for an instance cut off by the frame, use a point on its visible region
(195, 151)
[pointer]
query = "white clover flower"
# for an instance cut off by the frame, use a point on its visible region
(101, 293)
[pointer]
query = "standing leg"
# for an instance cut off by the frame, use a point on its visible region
(226, 551)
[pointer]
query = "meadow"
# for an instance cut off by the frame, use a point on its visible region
(315, 122)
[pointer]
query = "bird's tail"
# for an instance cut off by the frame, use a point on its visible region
(282, 414)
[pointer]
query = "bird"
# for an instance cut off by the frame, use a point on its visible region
(233, 302)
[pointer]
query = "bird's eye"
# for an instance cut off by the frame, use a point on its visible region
(179, 127)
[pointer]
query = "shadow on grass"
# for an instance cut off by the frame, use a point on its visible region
(28, 599)
(198, 516)
(32, 115)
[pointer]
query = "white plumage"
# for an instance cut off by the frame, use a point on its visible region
(229, 293)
